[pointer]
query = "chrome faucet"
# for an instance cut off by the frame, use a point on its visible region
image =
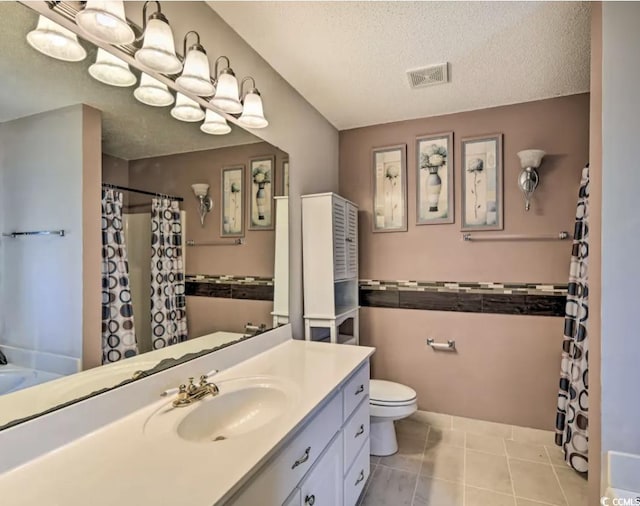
(3, 359)
(188, 394)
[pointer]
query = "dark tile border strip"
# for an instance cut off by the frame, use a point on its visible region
(229, 290)
(493, 303)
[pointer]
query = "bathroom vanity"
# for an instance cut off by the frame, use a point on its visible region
(289, 426)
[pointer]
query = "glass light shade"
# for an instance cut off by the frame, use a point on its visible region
(196, 75)
(105, 21)
(187, 109)
(200, 189)
(227, 97)
(252, 112)
(55, 41)
(153, 92)
(531, 158)
(215, 124)
(110, 69)
(158, 50)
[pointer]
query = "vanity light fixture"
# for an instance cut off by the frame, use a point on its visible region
(187, 109)
(55, 41)
(201, 191)
(158, 50)
(530, 160)
(111, 70)
(152, 92)
(252, 111)
(227, 97)
(196, 75)
(215, 124)
(105, 20)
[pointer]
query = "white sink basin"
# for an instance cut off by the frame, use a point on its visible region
(243, 406)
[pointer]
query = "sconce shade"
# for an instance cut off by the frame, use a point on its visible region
(200, 189)
(153, 92)
(55, 41)
(196, 76)
(158, 50)
(531, 158)
(105, 21)
(215, 124)
(110, 69)
(227, 96)
(252, 112)
(187, 109)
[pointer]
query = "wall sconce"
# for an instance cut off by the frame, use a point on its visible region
(196, 75)
(158, 50)
(201, 190)
(252, 112)
(55, 41)
(227, 96)
(530, 160)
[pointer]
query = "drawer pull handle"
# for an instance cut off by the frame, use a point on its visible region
(361, 477)
(310, 500)
(360, 389)
(360, 431)
(302, 460)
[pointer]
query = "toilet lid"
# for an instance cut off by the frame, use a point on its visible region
(388, 393)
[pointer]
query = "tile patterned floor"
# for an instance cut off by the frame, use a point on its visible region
(451, 461)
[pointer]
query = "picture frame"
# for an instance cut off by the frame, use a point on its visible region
(435, 195)
(285, 177)
(261, 182)
(482, 183)
(232, 202)
(389, 176)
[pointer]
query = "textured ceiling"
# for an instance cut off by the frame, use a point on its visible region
(349, 59)
(32, 83)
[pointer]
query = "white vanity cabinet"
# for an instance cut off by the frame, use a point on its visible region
(330, 264)
(326, 462)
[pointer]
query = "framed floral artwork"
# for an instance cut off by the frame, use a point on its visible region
(389, 168)
(435, 190)
(232, 222)
(482, 191)
(261, 184)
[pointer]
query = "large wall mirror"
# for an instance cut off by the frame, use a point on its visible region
(134, 236)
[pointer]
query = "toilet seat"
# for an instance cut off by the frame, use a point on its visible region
(389, 394)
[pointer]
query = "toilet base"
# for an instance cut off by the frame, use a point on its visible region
(383, 437)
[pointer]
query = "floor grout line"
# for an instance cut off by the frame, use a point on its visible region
(513, 487)
(424, 449)
(464, 469)
(566, 501)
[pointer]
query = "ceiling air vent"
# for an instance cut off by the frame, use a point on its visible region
(428, 76)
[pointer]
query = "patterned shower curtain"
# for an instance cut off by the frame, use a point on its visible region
(572, 418)
(118, 333)
(168, 304)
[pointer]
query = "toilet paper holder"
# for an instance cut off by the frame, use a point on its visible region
(450, 345)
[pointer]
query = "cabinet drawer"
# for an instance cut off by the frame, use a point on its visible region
(356, 432)
(323, 486)
(275, 481)
(356, 478)
(356, 389)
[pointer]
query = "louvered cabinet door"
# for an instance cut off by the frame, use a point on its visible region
(340, 250)
(351, 240)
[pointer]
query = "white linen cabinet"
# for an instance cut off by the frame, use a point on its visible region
(330, 265)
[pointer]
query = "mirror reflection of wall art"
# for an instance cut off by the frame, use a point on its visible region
(285, 178)
(390, 189)
(261, 194)
(434, 199)
(232, 202)
(482, 194)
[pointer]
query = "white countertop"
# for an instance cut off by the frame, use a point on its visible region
(120, 465)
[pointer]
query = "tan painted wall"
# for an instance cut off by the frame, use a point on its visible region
(507, 367)
(595, 276)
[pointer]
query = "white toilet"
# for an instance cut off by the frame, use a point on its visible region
(388, 401)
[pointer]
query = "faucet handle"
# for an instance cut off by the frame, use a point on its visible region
(203, 380)
(191, 387)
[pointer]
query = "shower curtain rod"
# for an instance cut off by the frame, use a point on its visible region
(142, 192)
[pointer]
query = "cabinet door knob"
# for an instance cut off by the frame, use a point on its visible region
(302, 459)
(360, 431)
(310, 500)
(360, 389)
(360, 477)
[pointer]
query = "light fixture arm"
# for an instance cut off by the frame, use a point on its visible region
(253, 89)
(197, 44)
(227, 69)
(157, 14)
